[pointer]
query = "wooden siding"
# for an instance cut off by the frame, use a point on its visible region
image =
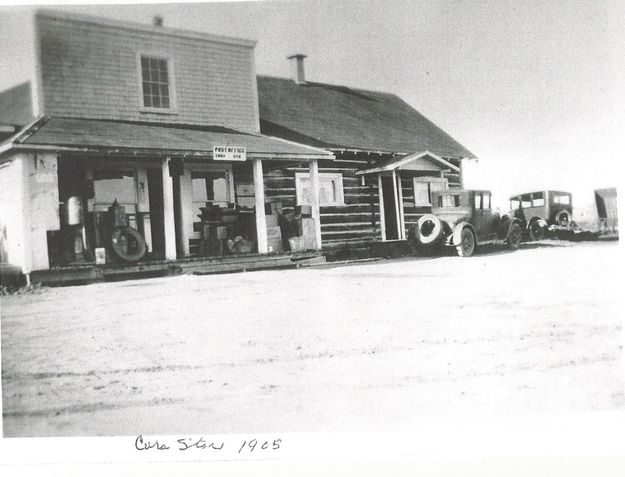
(91, 70)
(357, 221)
(412, 213)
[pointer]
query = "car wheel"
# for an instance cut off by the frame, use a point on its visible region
(536, 231)
(514, 237)
(466, 247)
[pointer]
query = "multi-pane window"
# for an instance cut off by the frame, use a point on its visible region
(155, 82)
(423, 188)
(330, 189)
(115, 185)
(210, 187)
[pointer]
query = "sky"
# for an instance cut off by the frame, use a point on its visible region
(534, 88)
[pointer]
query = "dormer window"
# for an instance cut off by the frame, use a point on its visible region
(156, 82)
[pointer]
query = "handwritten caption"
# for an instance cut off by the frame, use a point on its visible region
(251, 446)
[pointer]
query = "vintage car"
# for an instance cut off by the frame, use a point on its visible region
(543, 211)
(464, 219)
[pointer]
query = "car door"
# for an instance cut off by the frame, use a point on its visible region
(489, 218)
(478, 216)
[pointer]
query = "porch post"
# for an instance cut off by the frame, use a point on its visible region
(169, 223)
(400, 198)
(259, 203)
(314, 199)
(381, 203)
(186, 207)
(395, 194)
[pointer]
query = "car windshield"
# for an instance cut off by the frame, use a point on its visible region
(449, 200)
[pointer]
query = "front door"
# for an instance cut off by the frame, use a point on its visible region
(390, 208)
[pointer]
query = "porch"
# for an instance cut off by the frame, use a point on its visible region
(179, 209)
(104, 199)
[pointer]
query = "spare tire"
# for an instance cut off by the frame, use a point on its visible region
(563, 218)
(128, 244)
(429, 229)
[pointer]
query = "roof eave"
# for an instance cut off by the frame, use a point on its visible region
(139, 152)
(164, 31)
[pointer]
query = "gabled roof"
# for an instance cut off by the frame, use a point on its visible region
(16, 105)
(338, 117)
(400, 162)
(152, 139)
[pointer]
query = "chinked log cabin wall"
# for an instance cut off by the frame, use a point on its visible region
(355, 222)
(412, 213)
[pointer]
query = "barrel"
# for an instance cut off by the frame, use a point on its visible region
(74, 211)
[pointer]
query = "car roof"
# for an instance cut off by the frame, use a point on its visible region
(461, 191)
(540, 191)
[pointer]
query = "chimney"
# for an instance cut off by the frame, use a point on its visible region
(298, 68)
(157, 21)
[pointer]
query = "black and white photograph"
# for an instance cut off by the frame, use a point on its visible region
(229, 228)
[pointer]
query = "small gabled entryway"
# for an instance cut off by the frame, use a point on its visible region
(402, 197)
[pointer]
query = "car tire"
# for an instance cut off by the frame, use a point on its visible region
(536, 231)
(121, 238)
(514, 237)
(466, 247)
(429, 229)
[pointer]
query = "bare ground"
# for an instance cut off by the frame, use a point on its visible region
(376, 346)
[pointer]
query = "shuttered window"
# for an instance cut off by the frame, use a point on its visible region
(330, 189)
(423, 188)
(156, 82)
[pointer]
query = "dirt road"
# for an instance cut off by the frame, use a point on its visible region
(372, 346)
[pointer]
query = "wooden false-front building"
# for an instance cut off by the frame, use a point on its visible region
(157, 123)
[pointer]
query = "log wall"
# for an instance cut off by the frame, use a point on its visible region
(355, 222)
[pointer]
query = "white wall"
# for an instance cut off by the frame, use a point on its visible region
(12, 227)
(29, 207)
(44, 204)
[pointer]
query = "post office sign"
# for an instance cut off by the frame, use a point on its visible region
(229, 153)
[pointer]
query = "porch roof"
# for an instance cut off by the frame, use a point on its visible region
(152, 139)
(411, 161)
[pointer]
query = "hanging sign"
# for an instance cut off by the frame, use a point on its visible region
(229, 153)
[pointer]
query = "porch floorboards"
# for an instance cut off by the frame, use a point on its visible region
(89, 273)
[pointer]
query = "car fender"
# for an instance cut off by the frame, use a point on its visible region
(542, 222)
(456, 237)
(510, 224)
